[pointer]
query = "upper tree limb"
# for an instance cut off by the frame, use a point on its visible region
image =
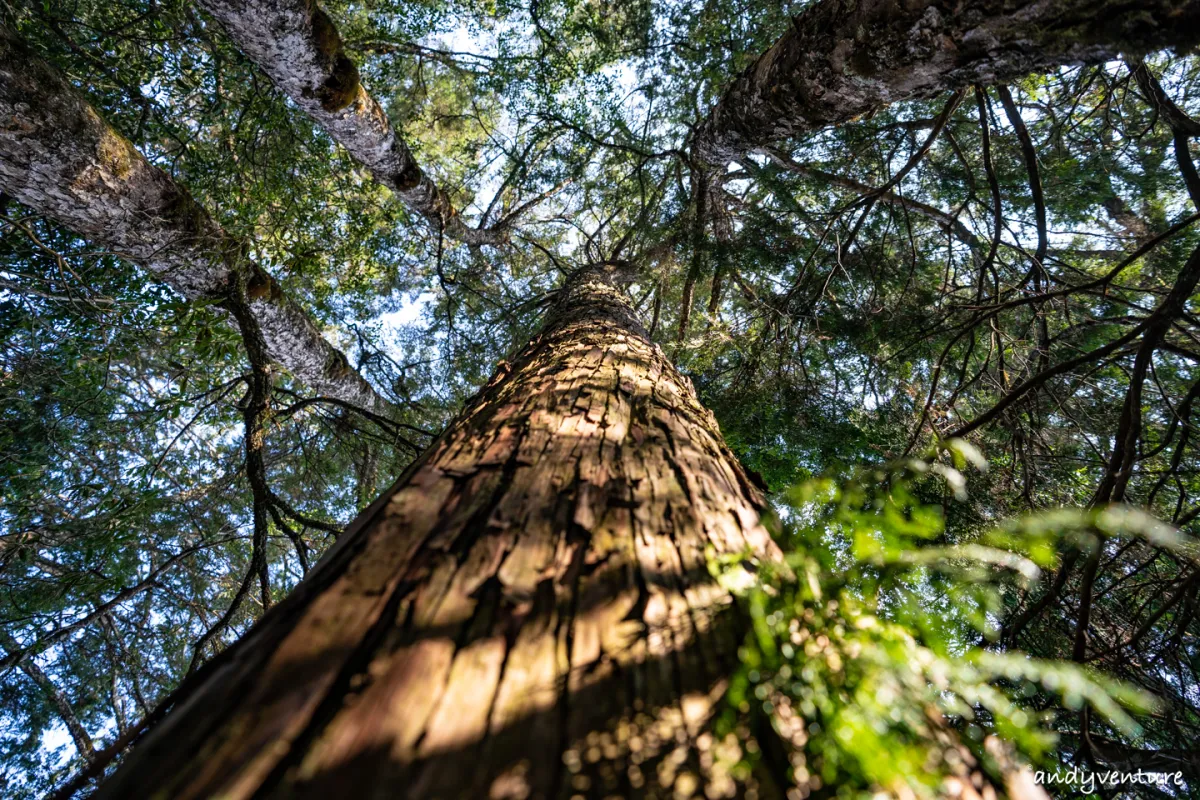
(60, 158)
(841, 60)
(297, 45)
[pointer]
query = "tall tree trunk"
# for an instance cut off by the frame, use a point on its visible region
(526, 613)
(298, 46)
(60, 158)
(843, 59)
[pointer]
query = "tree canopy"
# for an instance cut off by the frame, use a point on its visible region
(1003, 253)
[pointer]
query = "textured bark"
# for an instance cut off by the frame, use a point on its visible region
(297, 45)
(60, 158)
(843, 59)
(527, 613)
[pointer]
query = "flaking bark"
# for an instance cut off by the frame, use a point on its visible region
(298, 46)
(843, 59)
(527, 613)
(60, 158)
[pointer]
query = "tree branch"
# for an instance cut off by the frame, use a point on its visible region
(298, 46)
(119, 199)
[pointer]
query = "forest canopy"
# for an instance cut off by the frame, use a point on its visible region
(833, 362)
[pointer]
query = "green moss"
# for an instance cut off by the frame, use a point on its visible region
(113, 149)
(409, 178)
(325, 34)
(341, 87)
(261, 286)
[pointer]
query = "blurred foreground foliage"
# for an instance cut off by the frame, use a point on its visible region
(871, 646)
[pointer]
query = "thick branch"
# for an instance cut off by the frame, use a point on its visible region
(842, 60)
(255, 415)
(297, 45)
(59, 157)
(1177, 119)
(700, 193)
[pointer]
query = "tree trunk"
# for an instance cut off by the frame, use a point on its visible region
(526, 613)
(298, 46)
(843, 59)
(60, 158)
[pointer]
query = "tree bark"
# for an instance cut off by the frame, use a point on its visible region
(844, 59)
(60, 158)
(298, 46)
(527, 611)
